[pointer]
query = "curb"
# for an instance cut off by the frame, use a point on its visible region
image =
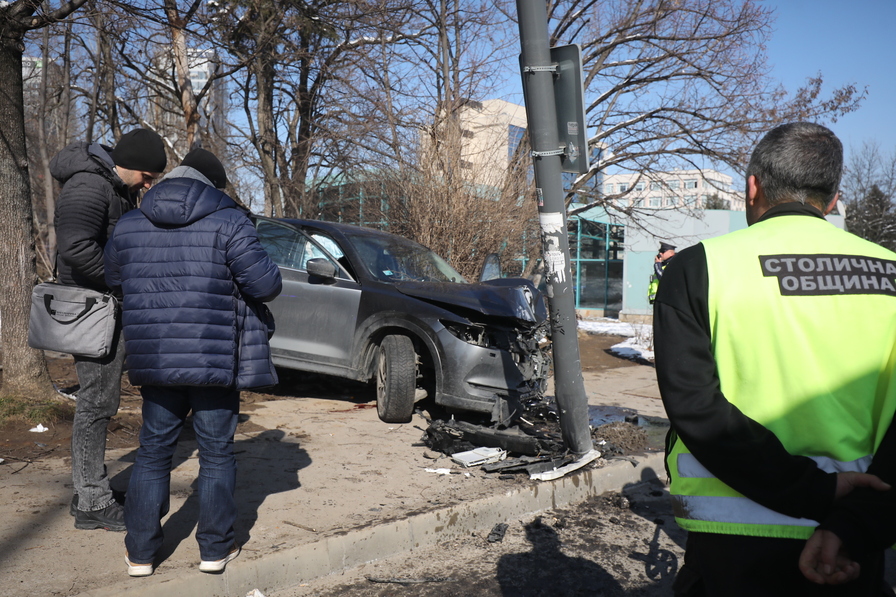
(290, 567)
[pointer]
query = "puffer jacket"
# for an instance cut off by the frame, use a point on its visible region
(193, 275)
(92, 200)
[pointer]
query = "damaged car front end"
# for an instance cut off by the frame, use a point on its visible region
(500, 345)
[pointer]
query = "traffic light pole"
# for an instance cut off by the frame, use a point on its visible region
(547, 153)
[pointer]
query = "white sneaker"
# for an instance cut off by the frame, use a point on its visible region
(137, 569)
(218, 565)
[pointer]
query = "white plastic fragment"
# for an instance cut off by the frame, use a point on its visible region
(254, 593)
(563, 470)
(479, 456)
(439, 471)
(39, 429)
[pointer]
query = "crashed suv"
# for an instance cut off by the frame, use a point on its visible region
(370, 306)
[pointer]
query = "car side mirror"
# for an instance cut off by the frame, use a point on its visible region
(491, 268)
(321, 267)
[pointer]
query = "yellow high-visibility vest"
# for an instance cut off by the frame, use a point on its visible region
(803, 321)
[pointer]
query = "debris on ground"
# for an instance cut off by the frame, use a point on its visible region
(479, 456)
(530, 442)
(410, 581)
(497, 533)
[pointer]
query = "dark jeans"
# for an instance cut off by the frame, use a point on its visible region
(215, 413)
(718, 565)
(98, 400)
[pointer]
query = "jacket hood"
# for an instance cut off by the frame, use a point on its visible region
(83, 157)
(514, 298)
(181, 201)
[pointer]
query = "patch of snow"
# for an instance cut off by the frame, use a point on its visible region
(639, 343)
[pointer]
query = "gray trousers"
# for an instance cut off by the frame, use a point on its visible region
(98, 401)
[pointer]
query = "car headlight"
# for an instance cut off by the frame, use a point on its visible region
(471, 334)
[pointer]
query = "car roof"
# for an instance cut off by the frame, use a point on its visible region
(342, 228)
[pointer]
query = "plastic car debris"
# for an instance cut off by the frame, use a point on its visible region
(497, 533)
(479, 456)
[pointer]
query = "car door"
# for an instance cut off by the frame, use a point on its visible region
(315, 317)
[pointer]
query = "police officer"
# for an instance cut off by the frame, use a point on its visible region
(775, 358)
(660, 262)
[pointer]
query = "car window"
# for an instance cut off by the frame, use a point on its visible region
(323, 246)
(313, 251)
(392, 258)
(285, 245)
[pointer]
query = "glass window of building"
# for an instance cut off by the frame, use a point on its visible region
(639, 186)
(515, 135)
(623, 187)
(608, 188)
(690, 183)
(690, 199)
(672, 184)
(656, 202)
(656, 186)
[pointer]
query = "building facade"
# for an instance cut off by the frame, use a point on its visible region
(690, 189)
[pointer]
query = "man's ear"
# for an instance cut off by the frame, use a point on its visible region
(832, 204)
(754, 188)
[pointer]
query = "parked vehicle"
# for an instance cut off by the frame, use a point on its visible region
(367, 305)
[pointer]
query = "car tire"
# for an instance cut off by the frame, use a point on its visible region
(396, 379)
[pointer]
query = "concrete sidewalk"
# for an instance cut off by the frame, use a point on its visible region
(322, 485)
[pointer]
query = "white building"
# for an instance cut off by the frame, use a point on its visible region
(491, 131)
(677, 188)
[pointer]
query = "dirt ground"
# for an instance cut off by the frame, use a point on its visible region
(313, 460)
(18, 444)
(618, 544)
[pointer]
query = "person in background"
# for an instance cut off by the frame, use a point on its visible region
(193, 276)
(660, 262)
(775, 355)
(99, 185)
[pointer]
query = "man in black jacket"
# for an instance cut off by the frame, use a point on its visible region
(776, 362)
(100, 184)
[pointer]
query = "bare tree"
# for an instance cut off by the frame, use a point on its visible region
(24, 369)
(673, 84)
(868, 190)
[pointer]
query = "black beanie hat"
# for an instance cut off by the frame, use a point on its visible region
(140, 149)
(208, 165)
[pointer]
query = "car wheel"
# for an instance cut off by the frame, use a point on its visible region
(396, 379)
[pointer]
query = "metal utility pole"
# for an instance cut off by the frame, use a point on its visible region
(539, 71)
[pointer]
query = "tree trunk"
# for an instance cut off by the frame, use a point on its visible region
(182, 69)
(24, 369)
(266, 140)
(49, 198)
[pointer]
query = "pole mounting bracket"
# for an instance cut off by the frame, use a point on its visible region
(552, 68)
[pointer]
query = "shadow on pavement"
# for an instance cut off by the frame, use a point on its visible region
(265, 465)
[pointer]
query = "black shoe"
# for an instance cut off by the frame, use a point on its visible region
(110, 518)
(118, 496)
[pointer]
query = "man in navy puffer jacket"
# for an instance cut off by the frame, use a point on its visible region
(193, 276)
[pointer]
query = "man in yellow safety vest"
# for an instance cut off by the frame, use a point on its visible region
(775, 355)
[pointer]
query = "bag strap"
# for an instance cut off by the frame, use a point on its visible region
(90, 302)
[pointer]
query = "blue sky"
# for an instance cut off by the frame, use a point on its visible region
(848, 41)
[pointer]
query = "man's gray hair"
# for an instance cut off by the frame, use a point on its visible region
(800, 161)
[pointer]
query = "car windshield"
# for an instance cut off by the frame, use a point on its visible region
(392, 258)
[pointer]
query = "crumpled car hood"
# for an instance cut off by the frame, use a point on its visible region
(515, 298)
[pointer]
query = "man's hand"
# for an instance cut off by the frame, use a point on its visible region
(824, 561)
(846, 482)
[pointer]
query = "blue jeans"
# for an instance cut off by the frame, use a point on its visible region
(98, 400)
(215, 413)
